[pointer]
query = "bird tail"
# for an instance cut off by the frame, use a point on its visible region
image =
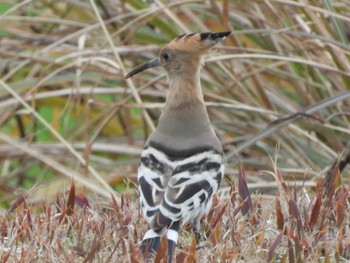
(151, 242)
(172, 236)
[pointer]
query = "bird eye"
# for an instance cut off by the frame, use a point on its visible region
(165, 56)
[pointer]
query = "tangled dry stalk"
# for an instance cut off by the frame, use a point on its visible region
(277, 93)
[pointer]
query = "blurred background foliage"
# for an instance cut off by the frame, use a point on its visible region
(277, 89)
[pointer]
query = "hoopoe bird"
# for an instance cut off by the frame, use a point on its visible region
(182, 163)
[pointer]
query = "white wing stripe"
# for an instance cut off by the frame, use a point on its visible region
(161, 157)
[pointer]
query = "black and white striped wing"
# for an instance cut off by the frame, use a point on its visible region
(194, 180)
(151, 185)
(177, 190)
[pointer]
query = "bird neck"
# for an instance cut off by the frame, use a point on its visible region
(184, 124)
(184, 90)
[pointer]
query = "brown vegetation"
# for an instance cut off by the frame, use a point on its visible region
(277, 93)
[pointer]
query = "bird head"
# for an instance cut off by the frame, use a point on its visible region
(182, 54)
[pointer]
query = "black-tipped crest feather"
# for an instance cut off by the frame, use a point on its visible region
(184, 36)
(214, 36)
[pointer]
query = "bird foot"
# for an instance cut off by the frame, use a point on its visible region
(203, 245)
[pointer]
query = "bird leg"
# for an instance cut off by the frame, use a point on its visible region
(195, 229)
(197, 235)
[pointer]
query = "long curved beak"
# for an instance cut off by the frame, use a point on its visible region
(149, 64)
